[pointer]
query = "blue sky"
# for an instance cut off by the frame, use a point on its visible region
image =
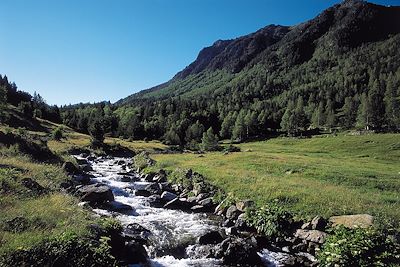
(74, 51)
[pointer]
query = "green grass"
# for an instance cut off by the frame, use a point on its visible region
(45, 216)
(325, 176)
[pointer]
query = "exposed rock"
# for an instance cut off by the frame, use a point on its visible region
(353, 221)
(206, 202)
(70, 168)
(176, 203)
(220, 209)
(136, 232)
(81, 161)
(244, 204)
(95, 193)
(198, 208)
(118, 207)
(238, 252)
(241, 224)
(168, 196)
(135, 253)
(213, 237)
(232, 213)
(318, 223)
(125, 179)
(154, 188)
(81, 179)
(33, 186)
(155, 201)
(142, 193)
(315, 236)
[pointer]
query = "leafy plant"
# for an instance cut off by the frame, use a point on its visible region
(358, 247)
(271, 220)
(57, 134)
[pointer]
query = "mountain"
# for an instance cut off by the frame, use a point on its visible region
(340, 70)
(339, 28)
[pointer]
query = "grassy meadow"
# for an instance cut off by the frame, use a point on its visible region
(327, 175)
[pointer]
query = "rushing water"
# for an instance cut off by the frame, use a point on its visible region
(173, 232)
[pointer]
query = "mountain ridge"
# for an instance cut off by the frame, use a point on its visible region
(343, 26)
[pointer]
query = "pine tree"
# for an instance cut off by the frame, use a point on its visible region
(330, 120)
(349, 112)
(194, 132)
(318, 117)
(3, 101)
(392, 104)
(364, 112)
(171, 137)
(96, 131)
(227, 126)
(239, 130)
(299, 115)
(287, 122)
(209, 142)
(375, 99)
(250, 121)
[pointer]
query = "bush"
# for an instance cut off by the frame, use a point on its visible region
(271, 220)
(142, 161)
(358, 247)
(57, 134)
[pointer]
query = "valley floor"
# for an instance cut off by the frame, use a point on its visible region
(325, 175)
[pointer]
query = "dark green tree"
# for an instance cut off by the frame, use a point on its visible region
(96, 132)
(287, 122)
(364, 112)
(209, 142)
(392, 104)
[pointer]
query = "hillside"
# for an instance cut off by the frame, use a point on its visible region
(338, 71)
(275, 48)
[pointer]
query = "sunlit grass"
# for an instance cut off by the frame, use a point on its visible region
(319, 176)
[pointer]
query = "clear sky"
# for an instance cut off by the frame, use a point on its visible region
(74, 51)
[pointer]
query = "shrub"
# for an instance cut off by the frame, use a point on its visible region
(142, 161)
(271, 220)
(57, 134)
(358, 247)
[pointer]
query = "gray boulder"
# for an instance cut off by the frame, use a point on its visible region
(232, 213)
(353, 221)
(168, 196)
(95, 193)
(315, 236)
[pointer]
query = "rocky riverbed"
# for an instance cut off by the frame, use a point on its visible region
(169, 225)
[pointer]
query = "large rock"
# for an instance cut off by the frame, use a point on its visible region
(232, 213)
(168, 196)
(353, 221)
(213, 237)
(137, 233)
(238, 252)
(315, 236)
(95, 193)
(244, 204)
(70, 168)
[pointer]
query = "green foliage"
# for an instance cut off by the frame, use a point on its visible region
(142, 161)
(209, 142)
(67, 249)
(57, 134)
(96, 131)
(272, 220)
(358, 247)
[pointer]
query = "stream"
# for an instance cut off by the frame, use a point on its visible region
(173, 233)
